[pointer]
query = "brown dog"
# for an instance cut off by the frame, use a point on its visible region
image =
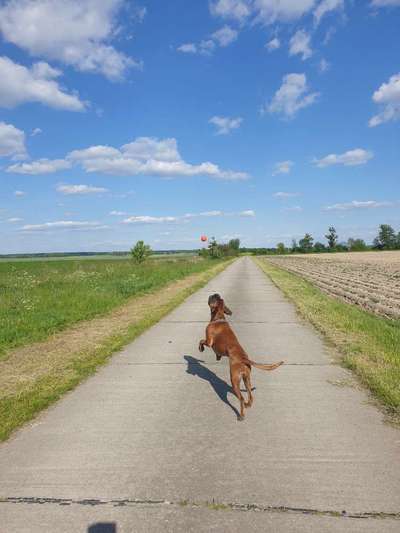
(221, 338)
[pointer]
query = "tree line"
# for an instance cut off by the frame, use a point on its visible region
(386, 239)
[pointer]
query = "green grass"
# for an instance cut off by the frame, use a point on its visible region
(369, 345)
(39, 298)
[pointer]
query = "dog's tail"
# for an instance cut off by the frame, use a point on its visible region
(266, 367)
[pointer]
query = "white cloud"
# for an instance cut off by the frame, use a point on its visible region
(62, 224)
(19, 194)
(118, 213)
(355, 157)
(225, 36)
(188, 48)
(80, 189)
(292, 96)
(300, 45)
(147, 156)
(222, 37)
(20, 85)
(225, 125)
(271, 11)
(385, 3)
(281, 194)
(140, 13)
(143, 156)
(329, 34)
(273, 44)
(228, 237)
(41, 166)
(247, 213)
(36, 131)
(355, 204)
(235, 9)
(145, 219)
(323, 65)
(94, 152)
(325, 7)
(282, 167)
(206, 47)
(13, 220)
(214, 213)
(75, 32)
(295, 208)
(12, 142)
(261, 11)
(387, 96)
(182, 219)
(150, 148)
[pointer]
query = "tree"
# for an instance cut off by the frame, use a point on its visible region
(294, 246)
(140, 252)
(306, 243)
(234, 244)
(386, 238)
(280, 248)
(319, 247)
(342, 247)
(332, 238)
(214, 249)
(356, 245)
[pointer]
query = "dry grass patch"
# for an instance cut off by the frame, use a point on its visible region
(34, 376)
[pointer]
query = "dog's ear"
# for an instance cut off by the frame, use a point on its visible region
(227, 311)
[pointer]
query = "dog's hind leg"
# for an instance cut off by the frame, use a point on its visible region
(247, 382)
(235, 379)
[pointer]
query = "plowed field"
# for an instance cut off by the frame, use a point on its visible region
(370, 280)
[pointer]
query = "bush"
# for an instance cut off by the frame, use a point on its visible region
(216, 251)
(356, 245)
(140, 252)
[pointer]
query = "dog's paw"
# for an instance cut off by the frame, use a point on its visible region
(240, 418)
(201, 347)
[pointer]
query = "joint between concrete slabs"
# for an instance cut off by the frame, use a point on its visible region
(213, 505)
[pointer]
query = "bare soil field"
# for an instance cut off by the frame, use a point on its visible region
(370, 280)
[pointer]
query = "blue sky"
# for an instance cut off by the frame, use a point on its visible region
(162, 121)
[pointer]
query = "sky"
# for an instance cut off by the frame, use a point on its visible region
(260, 120)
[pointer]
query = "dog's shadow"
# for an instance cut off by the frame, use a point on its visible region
(221, 388)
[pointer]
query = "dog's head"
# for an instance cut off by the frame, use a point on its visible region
(217, 304)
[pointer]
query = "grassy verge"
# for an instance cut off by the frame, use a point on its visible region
(34, 377)
(369, 345)
(40, 298)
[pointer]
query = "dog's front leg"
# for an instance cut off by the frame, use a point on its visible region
(202, 343)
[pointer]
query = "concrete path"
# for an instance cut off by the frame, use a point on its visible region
(155, 432)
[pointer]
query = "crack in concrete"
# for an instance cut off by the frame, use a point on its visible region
(213, 505)
(161, 363)
(231, 322)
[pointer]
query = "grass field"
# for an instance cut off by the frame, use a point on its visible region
(369, 344)
(39, 298)
(34, 376)
(100, 257)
